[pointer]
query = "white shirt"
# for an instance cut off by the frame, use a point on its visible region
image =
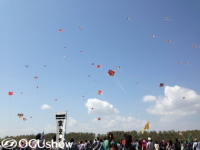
(195, 145)
(150, 146)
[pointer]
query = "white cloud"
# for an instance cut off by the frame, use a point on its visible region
(100, 107)
(178, 101)
(149, 98)
(71, 122)
(45, 106)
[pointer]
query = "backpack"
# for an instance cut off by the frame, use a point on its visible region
(101, 147)
(196, 146)
(178, 145)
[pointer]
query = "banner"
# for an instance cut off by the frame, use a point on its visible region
(61, 125)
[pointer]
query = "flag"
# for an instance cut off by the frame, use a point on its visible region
(146, 126)
(42, 136)
(142, 131)
(188, 140)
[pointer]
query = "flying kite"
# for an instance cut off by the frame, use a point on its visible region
(168, 41)
(80, 28)
(99, 92)
(21, 92)
(161, 85)
(92, 108)
(179, 62)
(99, 118)
(20, 115)
(65, 47)
(60, 30)
(183, 97)
(64, 55)
(10, 93)
(128, 17)
(44, 65)
(35, 77)
(81, 51)
(166, 18)
(153, 35)
(193, 46)
(24, 119)
(118, 67)
(111, 72)
(26, 66)
(37, 87)
(187, 62)
(88, 75)
(98, 66)
(56, 99)
(92, 63)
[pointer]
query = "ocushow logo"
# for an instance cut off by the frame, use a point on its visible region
(9, 143)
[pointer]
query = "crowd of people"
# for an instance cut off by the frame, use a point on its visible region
(109, 143)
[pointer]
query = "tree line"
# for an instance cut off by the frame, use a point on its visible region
(118, 135)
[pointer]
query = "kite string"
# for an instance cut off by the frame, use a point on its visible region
(10, 110)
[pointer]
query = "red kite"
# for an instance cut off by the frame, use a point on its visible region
(99, 92)
(111, 72)
(10, 93)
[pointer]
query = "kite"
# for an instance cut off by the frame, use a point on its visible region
(21, 92)
(20, 115)
(153, 35)
(88, 75)
(44, 65)
(81, 51)
(80, 28)
(35, 77)
(187, 62)
(183, 97)
(118, 67)
(137, 82)
(111, 72)
(180, 133)
(179, 62)
(37, 87)
(10, 93)
(166, 18)
(92, 108)
(193, 46)
(65, 47)
(26, 66)
(128, 17)
(60, 30)
(98, 66)
(31, 117)
(56, 99)
(64, 55)
(99, 118)
(99, 92)
(24, 119)
(161, 85)
(168, 41)
(92, 63)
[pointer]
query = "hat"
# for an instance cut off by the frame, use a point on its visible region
(149, 138)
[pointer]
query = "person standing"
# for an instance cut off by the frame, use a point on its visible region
(196, 145)
(150, 144)
(177, 144)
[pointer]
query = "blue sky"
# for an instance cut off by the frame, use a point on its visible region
(29, 36)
